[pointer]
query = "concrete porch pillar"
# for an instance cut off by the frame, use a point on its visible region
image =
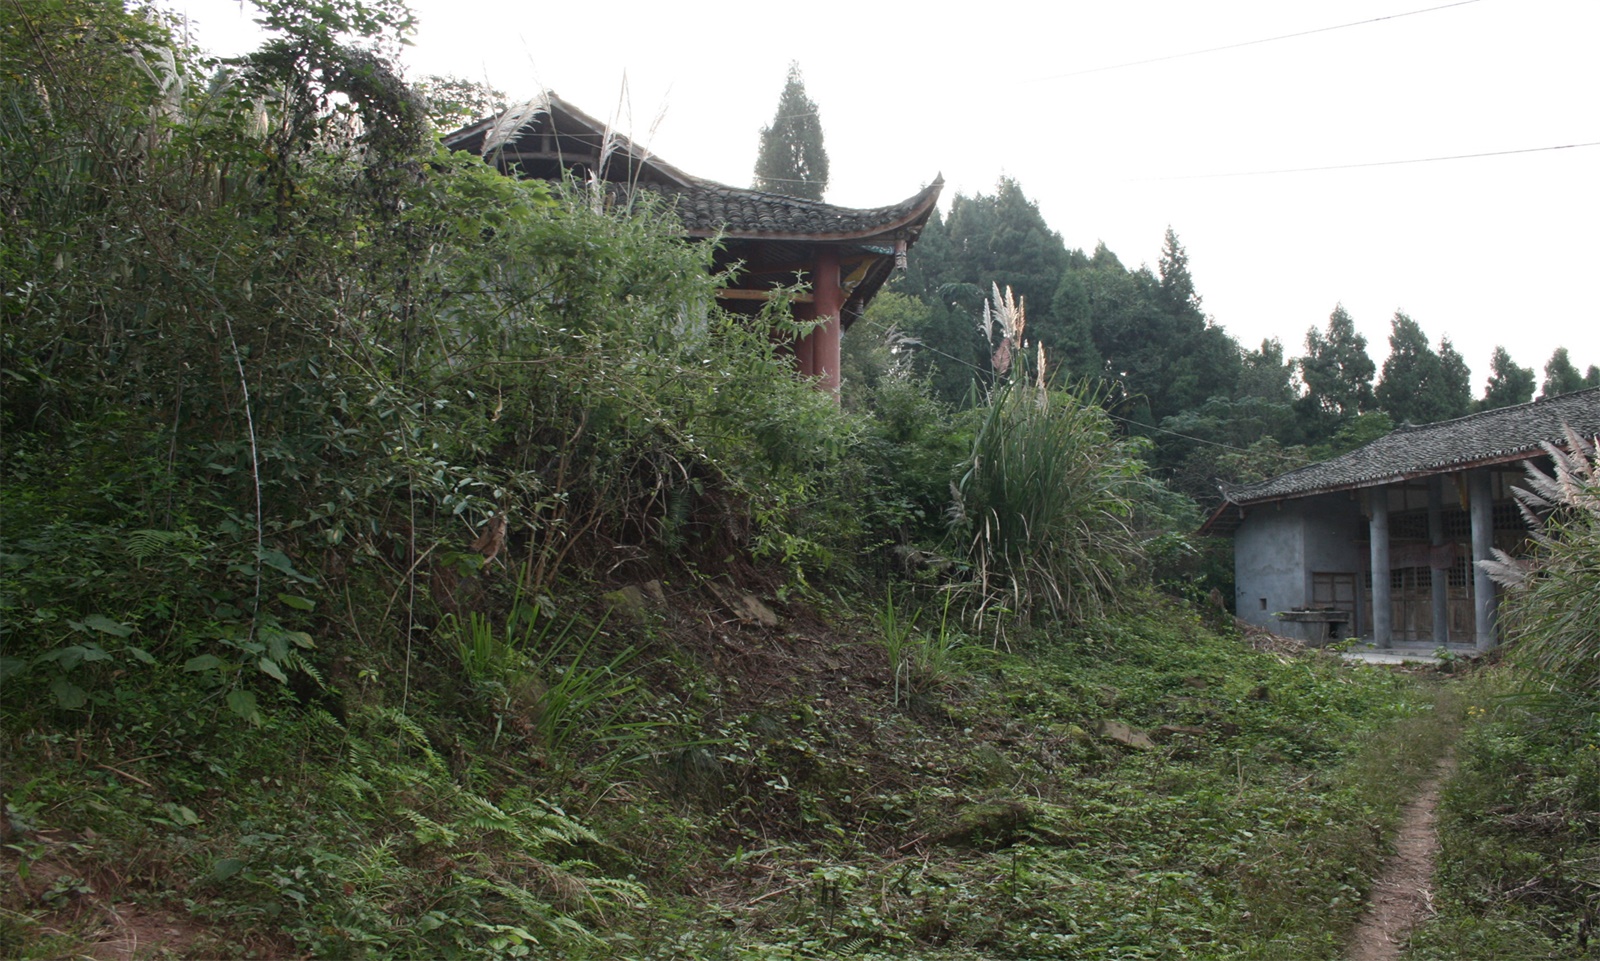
(1382, 608)
(1439, 577)
(1481, 506)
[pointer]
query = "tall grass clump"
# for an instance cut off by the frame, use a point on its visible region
(545, 676)
(1549, 608)
(1042, 509)
(919, 659)
(1520, 822)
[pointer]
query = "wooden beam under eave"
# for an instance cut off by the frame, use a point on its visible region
(730, 293)
(801, 266)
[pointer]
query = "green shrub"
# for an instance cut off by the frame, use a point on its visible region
(1042, 509)
(272, 354)
(1548, 613)
(1519, 826)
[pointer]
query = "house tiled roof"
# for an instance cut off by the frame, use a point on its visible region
(1493, 436)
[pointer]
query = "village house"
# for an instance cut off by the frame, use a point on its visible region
(1381, 543)
(838, 256)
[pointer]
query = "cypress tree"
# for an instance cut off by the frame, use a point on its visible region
(792, 160)
(1414, 386)
(1509, 384)
(1455, 382)
(1336, 368)
(1560, 376)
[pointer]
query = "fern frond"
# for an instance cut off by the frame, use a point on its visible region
(417, 737)
(148, 543)
(293, 659)
(427, 830)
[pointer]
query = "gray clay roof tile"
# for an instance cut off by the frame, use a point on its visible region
(1492, 436)
(709, 207)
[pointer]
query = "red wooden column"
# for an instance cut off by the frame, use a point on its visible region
(827, 299)
(805, 353)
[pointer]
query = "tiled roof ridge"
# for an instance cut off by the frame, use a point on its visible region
(709, 208)
(820, 205)
(1497, 410)
(1374, 462)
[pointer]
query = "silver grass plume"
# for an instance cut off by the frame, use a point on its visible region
(1575, 484)
(1005, 315)
(511, 122)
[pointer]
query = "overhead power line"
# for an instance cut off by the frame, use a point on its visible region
(1249, 43)
(1358, 166)
(1374, 163)
(1224, 47)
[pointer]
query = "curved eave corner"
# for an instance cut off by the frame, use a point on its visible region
(904, 219)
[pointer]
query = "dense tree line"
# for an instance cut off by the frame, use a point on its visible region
(1212, 409)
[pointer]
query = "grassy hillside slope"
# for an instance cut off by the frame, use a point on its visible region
(756, 792)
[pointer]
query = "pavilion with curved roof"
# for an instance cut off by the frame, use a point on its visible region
(838, 257)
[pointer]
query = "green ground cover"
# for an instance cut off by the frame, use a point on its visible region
(700, 816)
(1519, 872)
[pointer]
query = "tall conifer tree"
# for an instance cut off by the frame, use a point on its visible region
(1336, 368)
(1508, 384)
(1455, 383)
(1560, 376)
(1415, 387)
(1177, 286)
(792, 160)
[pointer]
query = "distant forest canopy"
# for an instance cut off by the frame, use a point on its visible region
(1213, 409)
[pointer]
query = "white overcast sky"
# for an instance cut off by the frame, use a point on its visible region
(1490, 250)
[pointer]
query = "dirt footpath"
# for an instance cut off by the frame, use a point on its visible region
(1403, 894)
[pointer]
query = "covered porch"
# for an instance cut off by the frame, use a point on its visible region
(1383, 543)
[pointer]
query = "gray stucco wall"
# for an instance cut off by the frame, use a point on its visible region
(1277, 548)
(1268, 564)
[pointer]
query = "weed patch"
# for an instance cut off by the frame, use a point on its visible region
(1519, 827)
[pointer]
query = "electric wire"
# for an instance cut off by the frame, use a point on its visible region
(1248, 43)
(1197, 53)
(1283, 170)
(1372, 163)
(1328, 167)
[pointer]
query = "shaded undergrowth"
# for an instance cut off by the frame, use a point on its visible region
(1144, 788)
(1520, 828)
